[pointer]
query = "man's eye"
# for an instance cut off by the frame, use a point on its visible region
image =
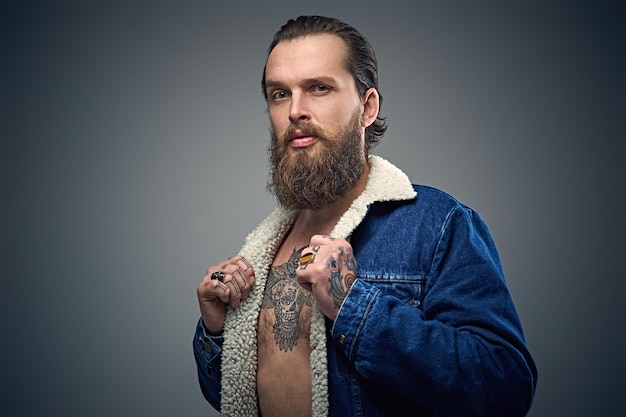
(278, 95)
(321, 88)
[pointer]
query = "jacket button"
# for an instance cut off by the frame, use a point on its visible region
(342, 339)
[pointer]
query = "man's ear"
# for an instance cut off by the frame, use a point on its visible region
(371, 106)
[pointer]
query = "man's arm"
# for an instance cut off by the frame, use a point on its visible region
(462, 353)
(207, 351)
(224, 285)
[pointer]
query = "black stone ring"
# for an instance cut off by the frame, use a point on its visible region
(219, 275)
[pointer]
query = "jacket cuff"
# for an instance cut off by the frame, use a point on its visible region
(206, 347)
(352, 315)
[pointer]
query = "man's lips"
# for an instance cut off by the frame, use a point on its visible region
(302, 139)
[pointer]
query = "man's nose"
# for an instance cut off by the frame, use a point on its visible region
(298, 111)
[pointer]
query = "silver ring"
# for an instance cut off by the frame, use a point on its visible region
(218, 275)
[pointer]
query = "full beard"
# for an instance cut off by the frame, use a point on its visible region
(313, 178)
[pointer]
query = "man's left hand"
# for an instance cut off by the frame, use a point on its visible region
(327, 269)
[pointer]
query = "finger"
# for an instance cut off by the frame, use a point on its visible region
(234, 292)
(246, 270)
(248, 282)
(243, 264)
(306, 258)
(306, 285)
(244, 274)
(320, 240)
(211, 289)
(303, 277)
(237, 281)
(220, 282)
(212, 274)
(233, 280)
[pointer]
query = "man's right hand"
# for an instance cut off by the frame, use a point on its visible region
(214, 295)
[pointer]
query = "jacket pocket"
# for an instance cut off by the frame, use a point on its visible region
(408, 288)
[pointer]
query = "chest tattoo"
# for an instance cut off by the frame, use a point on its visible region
(286, 297)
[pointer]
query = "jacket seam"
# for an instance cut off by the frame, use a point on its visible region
(362, 323)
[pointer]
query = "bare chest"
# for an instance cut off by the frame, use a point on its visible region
(283, 373)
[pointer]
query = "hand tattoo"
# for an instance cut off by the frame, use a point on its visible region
(341, 276)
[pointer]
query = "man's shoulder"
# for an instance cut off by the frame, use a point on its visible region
(435, 197)
(430, 206)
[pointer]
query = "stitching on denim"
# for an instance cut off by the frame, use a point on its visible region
(362, 322)
(394, 278)
(442, 232)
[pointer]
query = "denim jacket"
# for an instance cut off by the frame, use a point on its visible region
(427, 329)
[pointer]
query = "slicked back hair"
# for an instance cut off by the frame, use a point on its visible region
(361, 60)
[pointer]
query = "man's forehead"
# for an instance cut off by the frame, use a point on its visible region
(308, 52)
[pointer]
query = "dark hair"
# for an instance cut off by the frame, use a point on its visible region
(361, 61)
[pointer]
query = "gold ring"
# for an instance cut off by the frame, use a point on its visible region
(307, 259)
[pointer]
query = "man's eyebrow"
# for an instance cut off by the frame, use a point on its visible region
(273, 84)
(319, 80)
(269, 84)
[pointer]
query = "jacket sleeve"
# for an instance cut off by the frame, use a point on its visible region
(207, 351)
(462, 352)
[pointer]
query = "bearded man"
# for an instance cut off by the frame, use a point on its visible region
(361, 293)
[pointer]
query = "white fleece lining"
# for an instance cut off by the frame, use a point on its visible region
(239, 355)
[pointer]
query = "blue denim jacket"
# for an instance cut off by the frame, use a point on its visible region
(428, 328)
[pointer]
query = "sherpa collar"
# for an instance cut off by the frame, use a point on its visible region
(239, 355)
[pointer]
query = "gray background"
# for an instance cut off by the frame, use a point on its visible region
(133, 157)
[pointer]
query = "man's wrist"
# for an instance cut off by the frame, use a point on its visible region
(209, 333)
